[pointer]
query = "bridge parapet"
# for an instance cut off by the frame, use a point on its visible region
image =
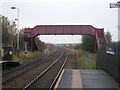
(60, 30)
(28, 32)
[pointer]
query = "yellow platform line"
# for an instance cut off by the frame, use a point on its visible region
(56, 86)
(76, 79)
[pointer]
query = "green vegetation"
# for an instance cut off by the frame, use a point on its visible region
(88, 43)
(22, 57)
(108, 36)
(9, 38)
(8, 31)
(21, 40)
(81, 60)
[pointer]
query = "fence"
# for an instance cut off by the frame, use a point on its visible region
(108, 59)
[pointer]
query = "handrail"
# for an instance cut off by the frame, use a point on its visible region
(105, 38)
(97, 40)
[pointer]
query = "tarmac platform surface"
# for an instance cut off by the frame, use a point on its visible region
(75, 78)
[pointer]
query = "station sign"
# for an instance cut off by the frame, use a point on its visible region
(114, 5)
(110, 50)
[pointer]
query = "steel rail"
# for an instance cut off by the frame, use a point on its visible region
(41, 74)
(42, 58)
(57, 76)
(3, 82)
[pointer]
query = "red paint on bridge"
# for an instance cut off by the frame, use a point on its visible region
(60, 30)
(66, 30)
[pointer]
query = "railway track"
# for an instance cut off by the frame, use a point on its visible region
(23, 69)
(48, 77)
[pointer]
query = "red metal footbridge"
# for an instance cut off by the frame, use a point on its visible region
(98, 33)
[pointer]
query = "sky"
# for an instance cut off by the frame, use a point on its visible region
(63, 12)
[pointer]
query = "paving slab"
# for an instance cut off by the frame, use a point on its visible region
(86, 80)
(69, 78)
(66, 79)
(97, 79)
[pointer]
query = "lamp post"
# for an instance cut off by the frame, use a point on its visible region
(17, 26)
(117, 5)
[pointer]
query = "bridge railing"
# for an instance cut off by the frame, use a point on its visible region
(108, 59)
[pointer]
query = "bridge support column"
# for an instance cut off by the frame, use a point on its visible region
(33, 46)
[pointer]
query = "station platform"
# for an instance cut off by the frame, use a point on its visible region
(8, 64)
(75, 78)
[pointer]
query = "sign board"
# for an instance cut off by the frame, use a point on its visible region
(25, 38)
(75, 51)
(114, 5)
(110, 50)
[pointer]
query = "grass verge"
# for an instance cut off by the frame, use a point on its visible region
(81, 60)
(23, 57)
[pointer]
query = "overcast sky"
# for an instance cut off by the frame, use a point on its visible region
(63, 12)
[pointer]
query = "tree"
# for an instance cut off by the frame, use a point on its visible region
(88, 43)
(6, 35)
(8, 31)
(108, 36)
(78, 46)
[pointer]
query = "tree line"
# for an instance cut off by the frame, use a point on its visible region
(9, 35)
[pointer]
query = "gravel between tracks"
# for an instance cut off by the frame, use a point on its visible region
(27, 77)
(70, 64)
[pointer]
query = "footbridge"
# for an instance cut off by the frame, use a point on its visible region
(97, 33)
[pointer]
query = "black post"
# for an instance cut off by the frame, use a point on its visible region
(75, 60)
(26, 40)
